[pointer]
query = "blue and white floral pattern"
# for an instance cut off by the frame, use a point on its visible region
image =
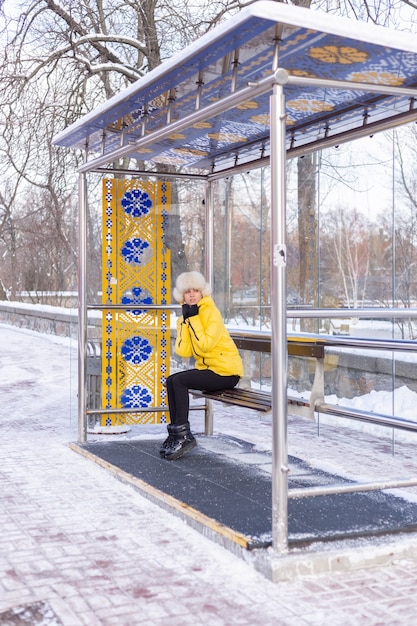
(136, 350)
(133, 250)
(136, 297)
(135, 397)
(136, 202)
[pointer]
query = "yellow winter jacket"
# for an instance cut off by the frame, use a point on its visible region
(205, 337)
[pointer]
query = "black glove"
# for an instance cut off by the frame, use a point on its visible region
(188, 310)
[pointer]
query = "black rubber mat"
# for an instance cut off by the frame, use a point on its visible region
(236, 493)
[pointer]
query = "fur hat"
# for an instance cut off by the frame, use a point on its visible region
(190, 280)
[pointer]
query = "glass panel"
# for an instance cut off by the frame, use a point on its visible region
(352, 244)
(242, 244)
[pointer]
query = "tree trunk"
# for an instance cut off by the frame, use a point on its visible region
(307, 233)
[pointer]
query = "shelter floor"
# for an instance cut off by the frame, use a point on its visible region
(225, 484)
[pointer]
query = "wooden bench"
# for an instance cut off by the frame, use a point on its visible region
(261, 400)
(239, 396)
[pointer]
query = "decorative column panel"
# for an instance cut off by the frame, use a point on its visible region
(136, 270)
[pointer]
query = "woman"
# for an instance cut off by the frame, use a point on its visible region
(201, 333)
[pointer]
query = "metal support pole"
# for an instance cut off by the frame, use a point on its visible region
(279, 356)
(209, 272)
(82, 308)
(209, 234)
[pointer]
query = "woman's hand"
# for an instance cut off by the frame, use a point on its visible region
(189, 310)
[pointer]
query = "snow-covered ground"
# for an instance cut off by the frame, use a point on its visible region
(96, 552)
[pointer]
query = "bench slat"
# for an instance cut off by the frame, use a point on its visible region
(297, 346)
(249, 398)
(258, 400)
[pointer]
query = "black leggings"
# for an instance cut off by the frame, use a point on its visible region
(178, 385)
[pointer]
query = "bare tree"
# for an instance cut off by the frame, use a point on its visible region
(347, 242)
(61, 59)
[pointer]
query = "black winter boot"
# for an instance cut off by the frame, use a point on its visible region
(168, 441)
(184, 441)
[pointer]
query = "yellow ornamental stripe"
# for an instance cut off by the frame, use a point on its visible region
(136, 269)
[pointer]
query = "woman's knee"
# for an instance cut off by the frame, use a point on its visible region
(172, 378)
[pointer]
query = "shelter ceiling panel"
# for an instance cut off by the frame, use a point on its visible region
(313, 48)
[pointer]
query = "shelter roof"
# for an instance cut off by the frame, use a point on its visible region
(207, 108)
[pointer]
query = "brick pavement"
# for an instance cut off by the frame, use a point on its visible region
(79, 547)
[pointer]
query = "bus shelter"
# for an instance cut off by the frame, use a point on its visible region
(272, 83)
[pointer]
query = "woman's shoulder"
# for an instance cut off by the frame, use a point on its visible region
(207, 304)
(206, 301)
